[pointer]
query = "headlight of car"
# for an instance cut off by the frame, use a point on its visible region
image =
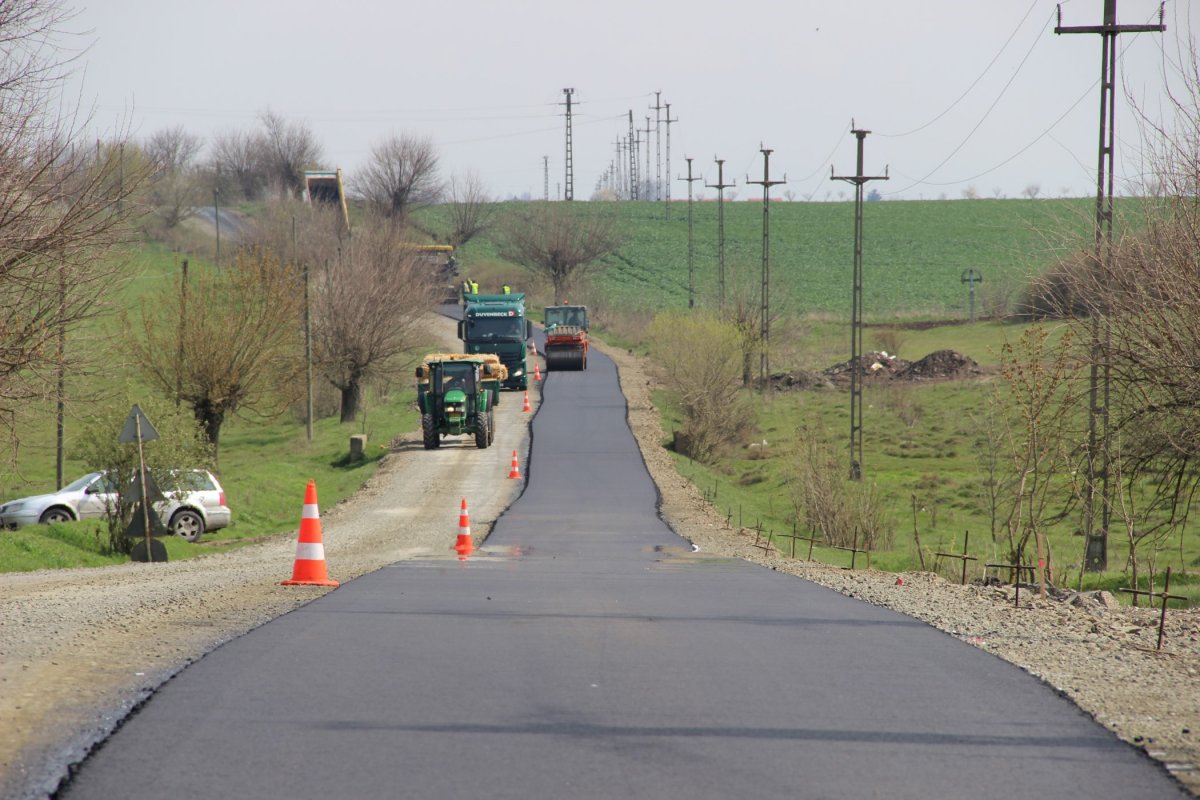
(12, 507)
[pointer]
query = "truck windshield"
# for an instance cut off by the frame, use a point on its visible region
(507, 328)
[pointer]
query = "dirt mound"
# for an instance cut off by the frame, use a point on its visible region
(940, 365)
(874, 367)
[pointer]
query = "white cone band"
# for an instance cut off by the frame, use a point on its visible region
(310, 551)
(310, 511)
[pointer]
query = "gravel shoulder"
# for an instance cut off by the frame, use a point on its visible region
(80, 649)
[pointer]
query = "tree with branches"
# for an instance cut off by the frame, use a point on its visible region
(287, 149)
(227, 342)
(63, 203)
(401, 174)
(559, 241)
(173, 187)
(470, 208)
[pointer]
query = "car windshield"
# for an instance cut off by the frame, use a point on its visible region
(497, 328)
(79, 484)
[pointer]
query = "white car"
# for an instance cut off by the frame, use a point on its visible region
(198, 505)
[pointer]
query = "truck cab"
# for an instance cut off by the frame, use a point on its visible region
(496, 323)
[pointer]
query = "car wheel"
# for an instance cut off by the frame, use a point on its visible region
(51, 515)
(187, 525)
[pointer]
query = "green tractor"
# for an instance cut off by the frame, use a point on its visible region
(457, 394)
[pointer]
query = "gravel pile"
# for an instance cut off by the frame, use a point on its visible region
(80, 648)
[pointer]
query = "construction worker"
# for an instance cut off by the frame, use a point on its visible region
(466, 288)
(474, 286)
(507, 289)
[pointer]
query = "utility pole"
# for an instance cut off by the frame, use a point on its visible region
(651, 193)
(570, 164)
(691, 240)
(720, 186)
(764, 362)
(1096, 553)
(668, 120)
(633, 159)
(545, 178)
(217, 220)
(856, 377)
(61, 389)
(657, 144)
(618, 177)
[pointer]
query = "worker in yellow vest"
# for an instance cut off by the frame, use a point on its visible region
(474, 287)
(507, 289)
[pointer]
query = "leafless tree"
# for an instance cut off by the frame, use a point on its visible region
(237, 164)
(62, 203)
(228, 342)
(401, 174)
(559, 241)
(287, 149)
(369, 294)
(470, 208)
(173, 189)
(1032, 191)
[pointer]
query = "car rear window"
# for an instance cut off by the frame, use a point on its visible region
(196, 482)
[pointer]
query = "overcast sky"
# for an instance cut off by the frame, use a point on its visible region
(957, 93)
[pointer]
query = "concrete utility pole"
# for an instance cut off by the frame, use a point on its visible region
(657, 144)
(618, 176)
(1096, 555)
(764, 362)
(691, 240)
(633, 159)
(651, 193)
(570, 164)
(858, 179)
(545, 178)
(668, 121)
(720, 186)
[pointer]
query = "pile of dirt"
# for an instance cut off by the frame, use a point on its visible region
(874, 367)
(940, 365)
(880, 367)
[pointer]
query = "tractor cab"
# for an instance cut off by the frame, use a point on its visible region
(574, 316)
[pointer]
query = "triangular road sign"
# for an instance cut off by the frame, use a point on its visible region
(130, 432)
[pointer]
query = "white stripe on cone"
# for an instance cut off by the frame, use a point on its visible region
(310, 551)
(310, 511)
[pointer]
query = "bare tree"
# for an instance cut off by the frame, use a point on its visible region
(1032, 191)
(400, 175)
(234, 346)
(470, 208)
(237, 163)
(559, 241)
(174, 189)
(62, 203)
(368, 310)
(287, 149)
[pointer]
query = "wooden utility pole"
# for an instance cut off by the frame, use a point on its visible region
(856, 378)
(691, 240)
(720, 186)
(1096, 555)
(764, 362)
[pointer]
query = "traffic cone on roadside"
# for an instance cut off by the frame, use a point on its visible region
(515, 471)
(464, 546)
(527, 408)
(537, 373)
(309, 569)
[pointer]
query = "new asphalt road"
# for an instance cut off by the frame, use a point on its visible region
(587, 652)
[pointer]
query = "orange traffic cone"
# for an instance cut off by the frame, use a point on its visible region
(527, 408)
(310, 551)
(537, 373)
(464, 546)
(515, 471)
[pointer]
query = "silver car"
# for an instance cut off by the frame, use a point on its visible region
(198, 505)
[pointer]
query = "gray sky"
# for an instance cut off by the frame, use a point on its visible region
(957, 93)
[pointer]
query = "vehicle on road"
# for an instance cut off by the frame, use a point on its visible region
(566, 337)
(198, 505)
(496, 323)
(458, 394)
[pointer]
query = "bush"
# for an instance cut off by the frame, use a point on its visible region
(701, 358)
(841, 511)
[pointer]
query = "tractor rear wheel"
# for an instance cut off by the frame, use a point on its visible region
(429, 432)
(482, 432)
